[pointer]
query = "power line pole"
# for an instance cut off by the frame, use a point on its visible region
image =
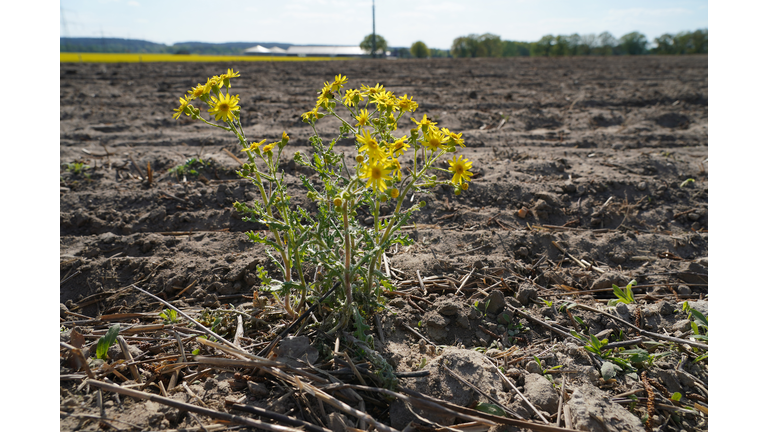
(373, 6)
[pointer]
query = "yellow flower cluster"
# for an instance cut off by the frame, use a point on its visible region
(378, 157)
(223, 106)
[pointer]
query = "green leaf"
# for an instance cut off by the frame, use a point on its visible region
(676, 397)
(490, 409)
(107, 341)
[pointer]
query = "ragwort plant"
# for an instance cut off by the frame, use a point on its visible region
(331, 241)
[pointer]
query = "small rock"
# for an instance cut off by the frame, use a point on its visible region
(681, 326)
(495, 302)
(540, 392)
(522, 409)
(505, 319)
(610, 278)
(522, 251)
(666, 308)
(569, 188)
(526, 293)
(296, 347)
(115, 352)
(397, 303)
(211, 301)
(63, 310)
(462, 321)
(259, 390)
(592, 411)
(435, 319)
(622, 309)
(642, 186)
(683, 290)
(695, 273)
(533, 367)
(523, 213)
(695, 226)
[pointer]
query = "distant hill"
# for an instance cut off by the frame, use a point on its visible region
(117, 45)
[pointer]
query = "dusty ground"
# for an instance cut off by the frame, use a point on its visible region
(578, 159)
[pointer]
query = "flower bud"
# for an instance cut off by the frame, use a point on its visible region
(464, 186)
(422, 204)
(394, 192)
(337, 201)
(359, 158)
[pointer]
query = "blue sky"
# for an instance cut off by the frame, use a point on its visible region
(346, 22)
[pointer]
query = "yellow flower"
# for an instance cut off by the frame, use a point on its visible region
(394, 165)
(285, 137)
(184, 103)
(338, 82)
(434, 139)
(213, 84)
(254, 146)
(454, 138)
(369, 91)
(394, 193)
(362, 119)
(406, 104)
(460, 169)
(198, 91)
(312, 115)
(225, 106)
(326, 94)
(370, 146)
(400, 146)
(424, 124)
(352, 97)
(377, 175)
(225, 77)
(384, 99)
(268, 148)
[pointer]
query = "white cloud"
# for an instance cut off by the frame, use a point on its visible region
(133, 3)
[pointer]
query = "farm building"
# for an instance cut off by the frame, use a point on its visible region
(308, 51)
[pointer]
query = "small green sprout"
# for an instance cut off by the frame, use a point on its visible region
(169, 316)
(107, 341)
(624, 296)
(686, 182)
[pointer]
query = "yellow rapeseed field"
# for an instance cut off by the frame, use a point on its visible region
(137, 58)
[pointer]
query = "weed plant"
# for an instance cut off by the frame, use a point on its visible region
(331, 241)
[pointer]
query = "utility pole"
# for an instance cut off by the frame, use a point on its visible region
(373, 6)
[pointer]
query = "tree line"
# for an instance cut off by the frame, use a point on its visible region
(634, 43)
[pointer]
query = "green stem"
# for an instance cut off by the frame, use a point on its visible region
(347, 254)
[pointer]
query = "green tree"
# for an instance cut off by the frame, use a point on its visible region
(700, 41)
(485, 45)
(665, 44)
(439, 53)
(606, 44)
(367, 44)
(464, 46)
(419, 50)
(633, 43)
(515, 49)
(543, 47)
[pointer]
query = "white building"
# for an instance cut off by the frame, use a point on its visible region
(308, 51)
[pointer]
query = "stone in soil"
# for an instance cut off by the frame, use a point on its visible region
(591, 410)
